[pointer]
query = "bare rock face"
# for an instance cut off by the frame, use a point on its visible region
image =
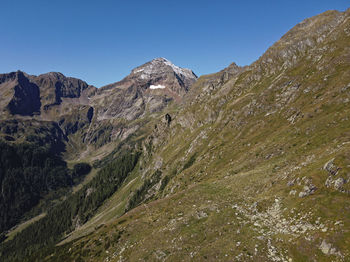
(158, 74)
(162, 74)
(148, 88)
(26, 95)
(55, 88)
(18, 95)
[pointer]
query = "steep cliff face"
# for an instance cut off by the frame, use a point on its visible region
(19, 95)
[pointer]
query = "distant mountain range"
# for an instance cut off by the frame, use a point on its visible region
(76, 106)
(49, 96)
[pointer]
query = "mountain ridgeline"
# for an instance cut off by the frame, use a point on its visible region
(45, 118)
(247, 164)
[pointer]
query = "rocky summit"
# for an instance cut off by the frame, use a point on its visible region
(148, 89)
(247, 164)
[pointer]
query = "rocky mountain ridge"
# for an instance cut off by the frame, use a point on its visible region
(81, 108)
(53, 89)
(41, 96)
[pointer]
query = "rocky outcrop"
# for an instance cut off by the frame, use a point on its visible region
(26, 97)
(331, 168)
(328, 249)
(335, 180)
(18, 96)
(47, 98)
(307, 190)
(168, 119)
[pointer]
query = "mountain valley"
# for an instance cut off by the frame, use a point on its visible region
(247, 164)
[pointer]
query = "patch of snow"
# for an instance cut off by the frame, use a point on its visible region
(178, 70)
(137, 70)
(156, 87)
(157, 65)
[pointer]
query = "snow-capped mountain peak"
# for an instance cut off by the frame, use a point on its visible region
(162, 65)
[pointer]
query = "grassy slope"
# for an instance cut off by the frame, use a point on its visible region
(266, 127)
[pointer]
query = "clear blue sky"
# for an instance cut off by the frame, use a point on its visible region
(101, 41)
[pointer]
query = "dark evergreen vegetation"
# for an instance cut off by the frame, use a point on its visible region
(189, 162)
(140, 193)
(27, 172)
(76, 209)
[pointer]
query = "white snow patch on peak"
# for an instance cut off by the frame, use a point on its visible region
(178, 70)
(156, 87)
(157, 65)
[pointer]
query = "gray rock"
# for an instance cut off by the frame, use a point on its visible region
(331, 168)
(338, 183)
(159, 254)
(291, 182)
(201, 214)
(329, 182)
(292, 192)
(327, 249)
(307, 190)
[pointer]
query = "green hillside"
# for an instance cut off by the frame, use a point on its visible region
(252, 165)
